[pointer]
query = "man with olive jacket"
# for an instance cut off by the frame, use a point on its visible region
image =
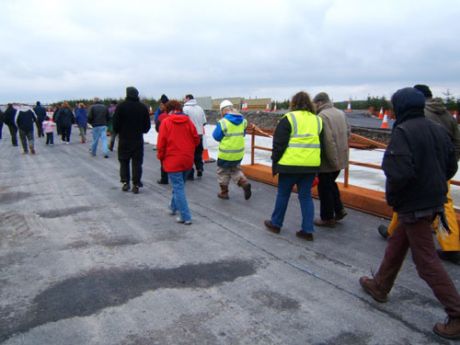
(334, 157)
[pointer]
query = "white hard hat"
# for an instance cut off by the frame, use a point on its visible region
(225, 104)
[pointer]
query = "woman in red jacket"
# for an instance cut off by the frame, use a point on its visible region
(176, 144)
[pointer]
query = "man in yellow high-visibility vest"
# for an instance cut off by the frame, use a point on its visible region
(230, 131)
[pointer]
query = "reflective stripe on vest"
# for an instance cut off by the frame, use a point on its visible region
(304, 148)
(231, 147)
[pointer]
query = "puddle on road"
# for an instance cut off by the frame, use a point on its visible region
(87, 294)
(64, 211)
(11, 197)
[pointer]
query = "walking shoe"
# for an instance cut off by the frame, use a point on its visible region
(125, 187)
(449, 329)
(135, 189)
(307, 236)
(106, 156)
(185, 222)
(272, 228)
(340, 215)
(329, 223)
(370, 287)
(383, 231)
(452, 256)
(199, 173)
(32, 150)
(162, 182)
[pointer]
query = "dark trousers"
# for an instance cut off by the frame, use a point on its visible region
(113, 136)
(135, 157)
(164, 176)
(49, 138)
(418, 237)
(65, 133)
(329, 195)
(1, 129)
(14, 134)
(27, 139)
(198, 157)
(40, 129)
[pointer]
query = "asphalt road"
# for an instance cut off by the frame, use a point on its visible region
(82, 262)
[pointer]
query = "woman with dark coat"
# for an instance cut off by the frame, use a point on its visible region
(66, 118)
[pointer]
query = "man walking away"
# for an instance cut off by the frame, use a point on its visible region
(436, 111)
(420, 154)
(131, 120)
(98, 116)
(198, 117)
(8, 119)
(41, 115)
(334, 157)
(25, 119)
(230, 131)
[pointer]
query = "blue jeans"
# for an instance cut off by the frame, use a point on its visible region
(285, 184)
(99, 132)
(179, 199)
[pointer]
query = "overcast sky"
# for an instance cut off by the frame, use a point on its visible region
(53, 50)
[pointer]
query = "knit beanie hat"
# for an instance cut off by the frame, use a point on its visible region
(424, 89)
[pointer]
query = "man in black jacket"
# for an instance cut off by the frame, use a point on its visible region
(24, 120)
(131, 120)
(418, 162)
(8, 119)
(41, 115)
(98, 117)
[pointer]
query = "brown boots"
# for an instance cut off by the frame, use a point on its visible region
(246, 187)
(449, 329)
(223, 194)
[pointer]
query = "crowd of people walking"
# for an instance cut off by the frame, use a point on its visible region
(310, 142)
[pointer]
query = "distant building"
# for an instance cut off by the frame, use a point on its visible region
(235, 100)
(253, 104)
(204, 102)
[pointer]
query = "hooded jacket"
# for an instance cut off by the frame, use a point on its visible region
(25, 119)
(196, 114)
(436, 111)
(419, 159)
(218, 135)
(131, 120)
(334, 138)
(176, 143)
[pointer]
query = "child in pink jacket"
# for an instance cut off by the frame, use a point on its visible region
(48, 129)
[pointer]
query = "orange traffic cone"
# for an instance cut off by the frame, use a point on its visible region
(381, 114)
(205, 155)
(385, 121)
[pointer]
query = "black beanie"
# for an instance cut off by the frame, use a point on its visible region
(164, 99)
(424, 89)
